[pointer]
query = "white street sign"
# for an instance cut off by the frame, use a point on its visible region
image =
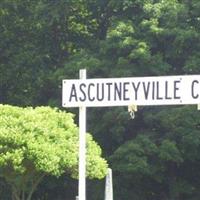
(162, 90)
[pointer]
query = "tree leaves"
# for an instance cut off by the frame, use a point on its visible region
(42, 141)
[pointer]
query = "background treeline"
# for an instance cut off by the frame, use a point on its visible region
(156, 156)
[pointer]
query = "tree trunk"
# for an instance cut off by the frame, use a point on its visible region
(15, 194)
(35, 184)
(173, 194)
(20, 194)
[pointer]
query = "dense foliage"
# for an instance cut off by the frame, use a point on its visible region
(156, 155)
(38, 142)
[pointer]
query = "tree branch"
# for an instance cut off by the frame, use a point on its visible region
(35, 186)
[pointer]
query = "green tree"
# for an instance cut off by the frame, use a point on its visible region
(35, 143)
(45, 41)
(162, 161)
(36, 39)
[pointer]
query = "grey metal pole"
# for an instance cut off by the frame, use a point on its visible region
(82, 147)
(109, 186)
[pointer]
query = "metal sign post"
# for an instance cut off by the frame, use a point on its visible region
(82, 146)
(109, 186)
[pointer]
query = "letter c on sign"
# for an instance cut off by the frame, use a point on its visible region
(193, 93)
(89, 92)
